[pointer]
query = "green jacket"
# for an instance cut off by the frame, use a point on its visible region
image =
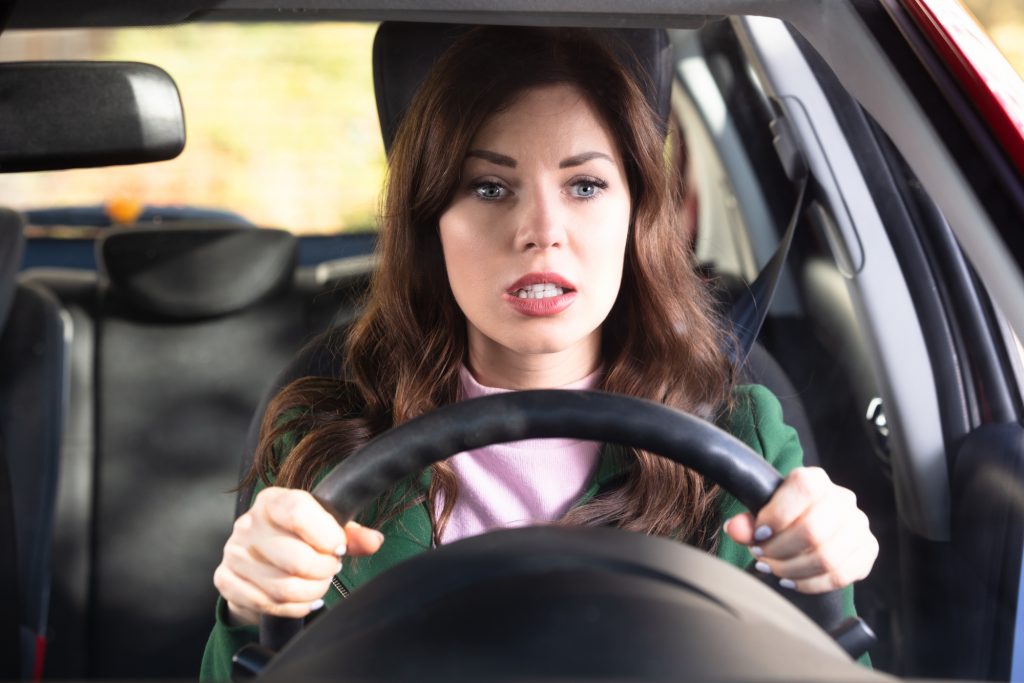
(756, 420)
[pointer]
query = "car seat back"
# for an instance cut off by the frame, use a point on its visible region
(31, 408)
(186, 320)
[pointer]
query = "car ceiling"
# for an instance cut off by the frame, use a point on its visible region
(667, 13)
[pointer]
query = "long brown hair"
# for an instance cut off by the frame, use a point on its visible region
(401, 359)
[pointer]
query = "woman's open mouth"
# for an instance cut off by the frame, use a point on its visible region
(544, 290)
(540, 294)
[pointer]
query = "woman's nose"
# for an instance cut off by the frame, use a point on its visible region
(541, 223)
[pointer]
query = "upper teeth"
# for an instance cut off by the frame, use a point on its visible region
(539, 291)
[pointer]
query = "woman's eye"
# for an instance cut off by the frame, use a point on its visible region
(587, 189)
(489, 191)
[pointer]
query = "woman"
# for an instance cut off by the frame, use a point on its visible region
(528, 240)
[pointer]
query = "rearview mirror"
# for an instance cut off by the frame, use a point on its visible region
(57, 115)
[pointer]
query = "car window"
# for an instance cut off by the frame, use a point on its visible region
(1003, 20)
(281, 125)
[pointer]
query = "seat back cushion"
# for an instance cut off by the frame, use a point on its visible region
(173, 405)
(32, 390)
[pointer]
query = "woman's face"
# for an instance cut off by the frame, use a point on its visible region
(535, 238)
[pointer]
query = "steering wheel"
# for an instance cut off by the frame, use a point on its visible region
(606, 587)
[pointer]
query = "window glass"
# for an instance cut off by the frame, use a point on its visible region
(1004, 22)
(281, 122)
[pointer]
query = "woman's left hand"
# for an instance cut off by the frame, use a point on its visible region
(811, 534)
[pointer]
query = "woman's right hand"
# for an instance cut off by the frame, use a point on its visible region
(282, 554)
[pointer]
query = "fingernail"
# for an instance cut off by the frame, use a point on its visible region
(316, 604)
(725, 527)
(763, 568)
(762, 533)
(756, 551)
(341, 550)
(380, 536)
(338, 571)
(787, 583)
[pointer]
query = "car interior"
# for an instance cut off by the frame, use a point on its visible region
(165, 350)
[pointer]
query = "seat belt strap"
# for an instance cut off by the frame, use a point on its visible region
(750, 310)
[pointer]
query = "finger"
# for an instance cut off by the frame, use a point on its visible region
(800, 490)
(283, 588)
(847, 570)
(279, 588)
(819, 523)
(249, 599)
(299, 513)
(362, 540)
(740, 528)
(825, 558)
(287, 554)
(846, 558)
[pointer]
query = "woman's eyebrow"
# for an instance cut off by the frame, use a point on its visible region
(582, 158)
(492, 157)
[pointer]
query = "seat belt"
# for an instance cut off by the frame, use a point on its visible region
(750, 310)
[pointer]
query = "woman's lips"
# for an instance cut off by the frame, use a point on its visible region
(549, 305)
(533, 279)
(540, 294)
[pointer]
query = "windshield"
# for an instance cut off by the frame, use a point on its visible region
(281, 125)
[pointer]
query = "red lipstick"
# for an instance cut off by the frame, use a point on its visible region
(531, 279)
(523, 297)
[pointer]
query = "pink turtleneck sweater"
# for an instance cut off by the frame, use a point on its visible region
(519, 483)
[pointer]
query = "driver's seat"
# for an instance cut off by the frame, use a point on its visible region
(402, 56)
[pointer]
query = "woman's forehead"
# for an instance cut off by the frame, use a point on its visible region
(552, 118)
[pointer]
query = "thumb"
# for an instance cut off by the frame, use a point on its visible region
(362, 540)
(741, 528)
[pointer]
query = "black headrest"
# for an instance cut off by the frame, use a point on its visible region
(404, 52)
(198, 271)
(12, 246)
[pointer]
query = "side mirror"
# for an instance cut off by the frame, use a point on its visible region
(58, 115)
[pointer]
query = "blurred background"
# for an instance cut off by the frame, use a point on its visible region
(281, 119)
(281, 125)
(1004, 22)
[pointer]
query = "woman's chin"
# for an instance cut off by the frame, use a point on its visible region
(561, 343)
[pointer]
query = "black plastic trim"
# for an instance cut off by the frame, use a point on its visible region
(891, 197)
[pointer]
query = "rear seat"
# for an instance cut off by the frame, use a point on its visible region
(174, 342)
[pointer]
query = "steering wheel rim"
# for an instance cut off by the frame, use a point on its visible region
(544, 413)
(411, 447)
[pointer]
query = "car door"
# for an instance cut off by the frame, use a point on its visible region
(910, 372)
